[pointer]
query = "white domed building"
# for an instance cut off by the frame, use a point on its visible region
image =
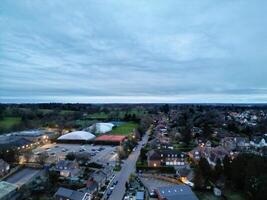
(101, 128)
(76, 136)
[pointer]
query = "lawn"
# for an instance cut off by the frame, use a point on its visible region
(124, 129)
(8, 122)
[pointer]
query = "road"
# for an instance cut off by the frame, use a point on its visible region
(127, 168)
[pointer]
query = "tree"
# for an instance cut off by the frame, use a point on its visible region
(227, 167)
(53, 178)
(205, 168)
(199, 180)
(70, 156)
(218, 170)
(41, 159)
(238, 171)
(186, 134)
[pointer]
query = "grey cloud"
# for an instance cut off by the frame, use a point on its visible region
(155, 51)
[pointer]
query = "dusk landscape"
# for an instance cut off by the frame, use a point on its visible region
(133, 100)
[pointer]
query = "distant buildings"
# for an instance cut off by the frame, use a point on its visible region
(165, 157)
(175, 192)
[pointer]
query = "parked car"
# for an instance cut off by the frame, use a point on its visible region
(115, 183)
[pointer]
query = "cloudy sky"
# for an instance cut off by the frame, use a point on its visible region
(133, 51)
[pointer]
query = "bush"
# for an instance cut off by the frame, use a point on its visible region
(167, 170)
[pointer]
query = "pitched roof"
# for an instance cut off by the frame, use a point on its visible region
(164, 153)
(70, 194)
(3, 164)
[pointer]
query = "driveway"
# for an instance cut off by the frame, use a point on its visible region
(127, 168)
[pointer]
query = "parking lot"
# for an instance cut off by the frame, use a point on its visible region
(100, 154)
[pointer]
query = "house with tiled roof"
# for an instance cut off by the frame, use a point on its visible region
(165, 157)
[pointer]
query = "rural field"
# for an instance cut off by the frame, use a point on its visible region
(8, 122)
(124, 129)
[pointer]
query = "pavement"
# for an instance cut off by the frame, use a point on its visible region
(127, 168)
(23, 176)
(59, 151)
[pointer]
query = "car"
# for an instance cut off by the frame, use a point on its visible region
(112, 187)
(115, 183)
(109, 193)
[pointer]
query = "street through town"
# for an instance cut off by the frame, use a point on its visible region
(127, 168)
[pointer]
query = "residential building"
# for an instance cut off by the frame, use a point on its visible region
(165, 157)
(68, 194)
(67, 168)
(4, 167)
(175, 192)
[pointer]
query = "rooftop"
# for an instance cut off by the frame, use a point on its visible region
(71, 194)
(6, 188)
(176, 192)
(112, 138)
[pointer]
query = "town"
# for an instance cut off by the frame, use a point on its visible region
(133, 152)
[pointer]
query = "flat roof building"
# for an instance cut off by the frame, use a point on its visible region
(7, 191)
(110, 139)
(10, 142)
(176, 192)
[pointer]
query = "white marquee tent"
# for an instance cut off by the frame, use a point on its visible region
(77, 135)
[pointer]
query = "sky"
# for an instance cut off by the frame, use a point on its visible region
(125, 51)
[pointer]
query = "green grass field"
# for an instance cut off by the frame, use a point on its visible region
(124, 129)
(8, 122)
(120, 114)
